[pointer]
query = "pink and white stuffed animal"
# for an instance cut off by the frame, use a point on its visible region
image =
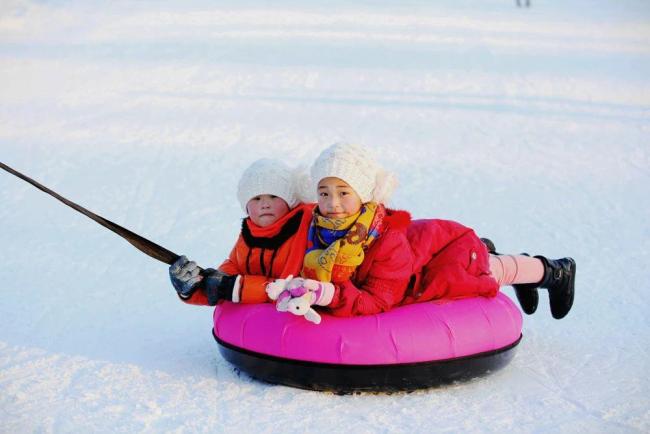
(299, 295)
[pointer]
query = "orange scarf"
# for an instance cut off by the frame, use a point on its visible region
(298, 239)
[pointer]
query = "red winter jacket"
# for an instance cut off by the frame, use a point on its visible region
(381, 280)
(450, 262)
(416, 261)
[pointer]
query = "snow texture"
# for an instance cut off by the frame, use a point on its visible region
(530, 125)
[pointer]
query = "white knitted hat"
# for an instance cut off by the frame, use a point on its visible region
(268, 176)
(355, 165)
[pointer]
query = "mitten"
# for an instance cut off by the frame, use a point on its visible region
(185, 276)
(276, 287)
(220, 286)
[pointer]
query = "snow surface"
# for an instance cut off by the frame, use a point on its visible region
(529, 125)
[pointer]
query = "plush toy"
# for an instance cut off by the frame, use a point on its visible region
(298, 300)
(299, 295)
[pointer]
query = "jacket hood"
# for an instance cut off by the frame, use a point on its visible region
(397, 219)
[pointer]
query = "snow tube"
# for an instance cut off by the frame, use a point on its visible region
(410, 347)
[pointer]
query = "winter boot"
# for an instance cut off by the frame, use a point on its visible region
(527, 294)
(490, 245)
(559, 279)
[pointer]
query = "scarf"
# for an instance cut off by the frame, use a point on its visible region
(336, 246)
(291, 228)
(273, 235)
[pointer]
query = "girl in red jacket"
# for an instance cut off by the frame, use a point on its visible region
(363, 258)
(275, 229)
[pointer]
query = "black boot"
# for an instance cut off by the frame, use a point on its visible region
(490, 245)
(527, 295)
(559, 279)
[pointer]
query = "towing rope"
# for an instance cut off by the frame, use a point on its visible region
(144, 245)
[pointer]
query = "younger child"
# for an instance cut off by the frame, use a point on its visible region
(363, 258)
(274, 231)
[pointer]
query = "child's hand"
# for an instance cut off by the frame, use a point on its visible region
(300, 294)
(321, 292)
(220, 286)
(274, 288)
(185, 277)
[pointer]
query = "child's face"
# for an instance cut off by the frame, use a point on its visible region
(336, 199)
(266, 209)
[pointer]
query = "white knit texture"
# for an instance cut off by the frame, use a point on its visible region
(356, 166)
(268, 176)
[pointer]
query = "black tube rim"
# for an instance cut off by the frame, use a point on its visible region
(340, 378)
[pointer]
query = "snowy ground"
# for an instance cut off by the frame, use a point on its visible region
(530, 125)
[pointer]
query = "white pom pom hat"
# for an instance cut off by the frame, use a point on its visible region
(355, 165)
(268, 176)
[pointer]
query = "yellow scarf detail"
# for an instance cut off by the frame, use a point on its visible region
(335, 247)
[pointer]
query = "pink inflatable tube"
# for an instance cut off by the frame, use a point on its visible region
(409, 347)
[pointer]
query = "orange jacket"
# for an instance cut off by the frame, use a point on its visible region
(261, 255)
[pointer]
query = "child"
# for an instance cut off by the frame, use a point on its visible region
(363, 258)
(271, 236)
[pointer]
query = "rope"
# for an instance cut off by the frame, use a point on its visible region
(144, 245)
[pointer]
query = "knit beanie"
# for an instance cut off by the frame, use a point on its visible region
(268, 176)
(355, 165)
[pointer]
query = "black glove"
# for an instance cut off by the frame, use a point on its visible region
(185, 276)
(218, 285)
